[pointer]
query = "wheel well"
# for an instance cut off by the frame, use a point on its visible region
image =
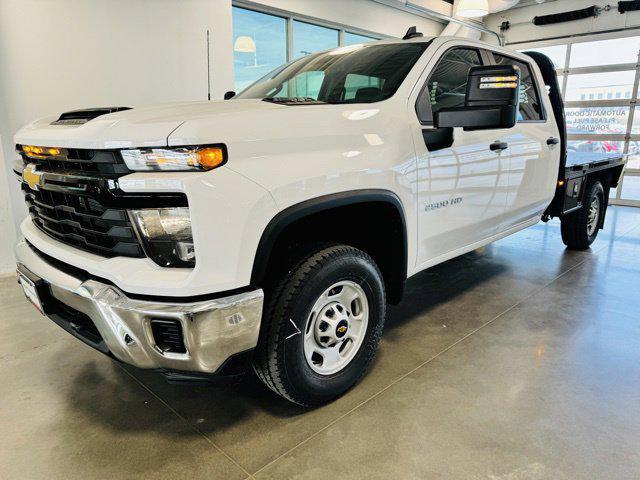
(373, 223)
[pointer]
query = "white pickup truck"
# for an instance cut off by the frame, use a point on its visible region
(272, 228)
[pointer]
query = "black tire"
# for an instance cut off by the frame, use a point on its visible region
(575, 226)
(279, 359)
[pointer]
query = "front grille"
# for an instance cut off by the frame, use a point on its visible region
(168, 335)
(82, 221)
(75, 203)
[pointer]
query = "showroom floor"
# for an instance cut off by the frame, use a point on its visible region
(520, 361)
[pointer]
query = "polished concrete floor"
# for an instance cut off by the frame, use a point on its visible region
(520, 361)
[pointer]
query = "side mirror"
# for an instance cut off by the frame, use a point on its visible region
(491, 100)
(229, 95)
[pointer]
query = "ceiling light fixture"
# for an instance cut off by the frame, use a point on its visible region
(472, 8)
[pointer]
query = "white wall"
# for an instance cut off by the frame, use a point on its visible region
(7, 229)
(523, 29)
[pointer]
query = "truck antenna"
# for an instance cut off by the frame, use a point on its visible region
(208, 69)
(412, 33)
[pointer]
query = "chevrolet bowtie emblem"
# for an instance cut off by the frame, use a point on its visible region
(31, 177)
(342, 329)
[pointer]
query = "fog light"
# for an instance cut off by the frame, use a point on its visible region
(166, 234)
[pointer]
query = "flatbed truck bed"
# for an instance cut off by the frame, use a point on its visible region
(580, 170)
(581, 163)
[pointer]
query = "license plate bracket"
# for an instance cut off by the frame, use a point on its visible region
(32, 286)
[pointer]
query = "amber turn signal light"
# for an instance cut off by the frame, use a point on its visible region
(210, 157)
(40, 152)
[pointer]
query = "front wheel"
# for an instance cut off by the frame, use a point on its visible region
(580, 229)
(324, 323)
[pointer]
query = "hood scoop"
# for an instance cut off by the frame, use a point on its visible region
(79, 117)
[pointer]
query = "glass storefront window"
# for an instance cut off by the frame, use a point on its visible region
(590, 123)
(557, 53)
(597, 120)
(635, 125)
(353, 39)
(595, 146)
(605, 52)
(590, 86)
(633, 162)
(630, 188)
(259, 45)
(308, 38)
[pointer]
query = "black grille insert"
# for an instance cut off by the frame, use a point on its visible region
(83, 222)
(168, 335)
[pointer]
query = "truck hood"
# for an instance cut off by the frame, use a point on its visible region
(138, 127)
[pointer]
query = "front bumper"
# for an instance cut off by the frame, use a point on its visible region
(212, 330)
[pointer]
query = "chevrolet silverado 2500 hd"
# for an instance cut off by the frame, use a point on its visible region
(274, 227)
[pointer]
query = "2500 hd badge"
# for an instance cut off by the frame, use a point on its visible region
(444, 203)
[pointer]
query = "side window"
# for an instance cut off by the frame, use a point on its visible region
(530, 108)
(447, 84)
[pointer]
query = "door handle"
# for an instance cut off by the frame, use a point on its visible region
(498, 146)
(553, 141)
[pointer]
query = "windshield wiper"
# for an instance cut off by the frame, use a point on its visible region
(293, 100)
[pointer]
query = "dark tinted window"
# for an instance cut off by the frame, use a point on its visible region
(530, 108)
(447, 85)
(357, 74)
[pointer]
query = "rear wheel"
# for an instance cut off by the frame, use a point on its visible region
(580, 229)
(323, 325)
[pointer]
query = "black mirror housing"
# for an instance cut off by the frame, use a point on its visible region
(229, 95)
(477, 118)
(491, 100)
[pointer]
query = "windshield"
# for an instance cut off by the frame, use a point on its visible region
(354, 74)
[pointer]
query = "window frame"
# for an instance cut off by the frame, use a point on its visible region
(534, 79)
(424, 90)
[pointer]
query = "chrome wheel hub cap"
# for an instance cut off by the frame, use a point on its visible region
(594, 214)
(336, 327)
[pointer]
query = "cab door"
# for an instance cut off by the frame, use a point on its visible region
(533, 151)
(462, 175)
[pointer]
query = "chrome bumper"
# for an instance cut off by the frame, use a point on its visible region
(213, 330)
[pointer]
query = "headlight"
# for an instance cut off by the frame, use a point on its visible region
(166, 233)
(174, 158)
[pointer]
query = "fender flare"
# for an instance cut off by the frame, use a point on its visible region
(300, 210)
